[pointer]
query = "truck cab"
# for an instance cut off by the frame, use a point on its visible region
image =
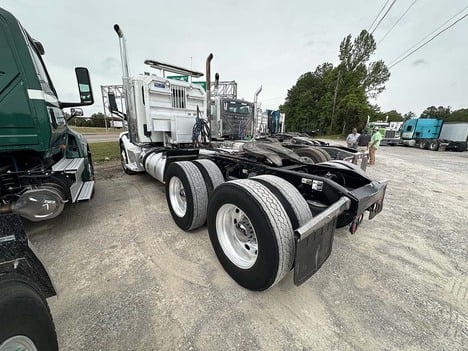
(43, 163)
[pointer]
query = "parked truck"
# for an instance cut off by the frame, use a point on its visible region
(431, 133)
(268, 211)
(43, 163)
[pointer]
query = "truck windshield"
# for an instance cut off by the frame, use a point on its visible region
(41, 71)
(236, 107)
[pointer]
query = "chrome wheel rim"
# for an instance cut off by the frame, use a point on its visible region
(237, 236)
(177, 196)
(18, 343)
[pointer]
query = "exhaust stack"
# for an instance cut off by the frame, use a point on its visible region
(123, 54)
(208, 88)
(255, 114)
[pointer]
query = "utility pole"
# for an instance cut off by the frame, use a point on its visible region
(334, 101)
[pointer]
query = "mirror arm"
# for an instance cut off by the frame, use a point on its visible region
(75, 104)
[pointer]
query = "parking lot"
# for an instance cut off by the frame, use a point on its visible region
(128, 278)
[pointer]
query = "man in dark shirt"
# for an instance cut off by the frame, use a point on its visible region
(363, 141)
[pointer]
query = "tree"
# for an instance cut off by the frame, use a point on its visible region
(337, 98)
(359, 79)
(306, 101)
(393, 116)
(409, 115)
(459, 115)
(440, 112)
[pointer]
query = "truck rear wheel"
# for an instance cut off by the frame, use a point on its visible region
(186, 194)
(211, 174)
(251, 233)
(293, 202)
(325, 154)
(311, 154)
(26, 323)
(423, 144)
(434, 145)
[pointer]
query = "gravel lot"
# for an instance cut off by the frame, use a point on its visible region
(129, 279)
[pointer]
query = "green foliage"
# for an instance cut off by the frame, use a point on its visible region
(459, 115)
(446, 114)
(96, 120)
(310, 103)
(393, 116)
(440, 112)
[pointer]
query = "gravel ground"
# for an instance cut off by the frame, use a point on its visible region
(129, 279)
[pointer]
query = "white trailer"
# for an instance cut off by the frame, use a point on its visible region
(454, 136)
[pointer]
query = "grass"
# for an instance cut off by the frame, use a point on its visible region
(105, 151)
(96, 130)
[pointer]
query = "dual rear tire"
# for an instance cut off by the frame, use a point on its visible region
(251, 222)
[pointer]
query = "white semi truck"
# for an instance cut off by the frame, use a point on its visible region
(268, 211)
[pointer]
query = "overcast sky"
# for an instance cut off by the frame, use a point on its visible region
(256, 42)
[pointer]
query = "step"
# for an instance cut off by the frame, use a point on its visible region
(86, 191)
(69, 165)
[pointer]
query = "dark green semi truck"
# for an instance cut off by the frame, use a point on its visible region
(43, 163)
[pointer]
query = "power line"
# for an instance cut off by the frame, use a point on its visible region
(428, 35)
(385, 14)
(398, 21)
(427, 42)
(375, 19)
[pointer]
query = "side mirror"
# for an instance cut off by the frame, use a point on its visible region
(112, 102)
(84, 86)
(76, 112)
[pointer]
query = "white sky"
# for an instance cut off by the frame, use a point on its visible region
(257, 42)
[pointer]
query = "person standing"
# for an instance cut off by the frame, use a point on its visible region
(363, 141)
(352, 138)
(374, 145)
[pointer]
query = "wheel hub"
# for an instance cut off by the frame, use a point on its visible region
(18, 343)
(237, 236)
(177, 196)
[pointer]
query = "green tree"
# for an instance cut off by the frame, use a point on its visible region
(360, 78)
(337, 98)
(459, 115)
(440, 112)
(409, 115)
(393, 116)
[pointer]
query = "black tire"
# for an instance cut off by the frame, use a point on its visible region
(25, 313)
(434, 145)
(266, 219)
(293, 202)
(326, 155)
(311, 154)
(124, 160)
(423, 144)
(211, 174)
(192, 193)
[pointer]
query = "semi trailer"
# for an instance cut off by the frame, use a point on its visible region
(431, 133)
(268, 211)
(43, 163)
